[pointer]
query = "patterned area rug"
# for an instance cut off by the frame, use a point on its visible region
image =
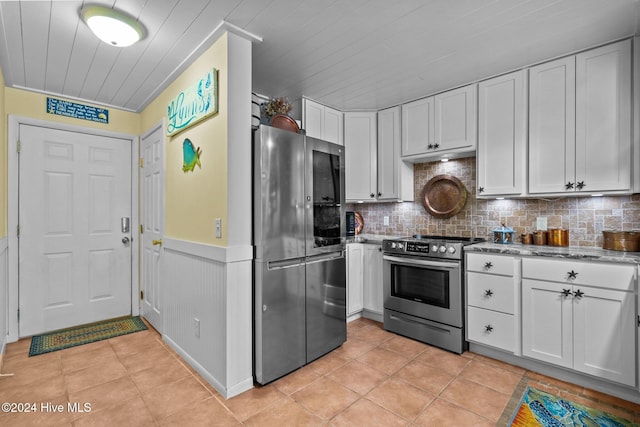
(72, 337)
(538, 408)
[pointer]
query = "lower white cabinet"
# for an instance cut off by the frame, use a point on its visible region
(492, 296)
(373, 279)
(581, 316)
(354, 278)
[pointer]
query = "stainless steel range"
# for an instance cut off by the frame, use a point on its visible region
(424, 289)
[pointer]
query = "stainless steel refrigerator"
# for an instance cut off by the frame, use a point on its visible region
(299, 234)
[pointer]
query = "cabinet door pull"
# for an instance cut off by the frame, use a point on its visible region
(372, 195)
(481, 190)
(488, 293)
(430, 147)
(580, 185)
(488, 265)
(436, 146)
(566, 292)
(488, 328)
(578, 294)
(568, 186)
(572, 274)
(379, 194)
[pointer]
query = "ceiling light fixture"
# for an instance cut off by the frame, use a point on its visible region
(112, 26)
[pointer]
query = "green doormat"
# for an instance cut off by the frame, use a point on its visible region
(538, 408)
(71, 337)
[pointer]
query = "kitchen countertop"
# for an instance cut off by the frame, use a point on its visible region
(373, 239)
(571, 252)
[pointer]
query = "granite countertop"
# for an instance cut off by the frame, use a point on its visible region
(373, 239)
(572, 252)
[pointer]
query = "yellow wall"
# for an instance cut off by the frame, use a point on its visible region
(195, 199)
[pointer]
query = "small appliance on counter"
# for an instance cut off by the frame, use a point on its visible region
(351, 223)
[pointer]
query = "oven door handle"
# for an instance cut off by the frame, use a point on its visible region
(425, 263)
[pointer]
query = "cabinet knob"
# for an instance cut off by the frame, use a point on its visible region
(488, 265)
(572, 274)
(379, 194)
(488, 293)
(568, 186)
(580, 185)
(488, 328)
(372, 195)
(481, 190)
(430, 147)
(436, 146)
(566, 292)
(578, 294)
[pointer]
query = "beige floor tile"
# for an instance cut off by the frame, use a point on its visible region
(163, 372)
(52, 412)
(130, 413)
(444, 360)
(325, 398)
(404, 346)
(354, 348)
(76, 361)
(492, 376)
(107, 395)
(285, 412)
(443, 413)
(358, 377)
(401, 398)
(253, 401)
(31, 374)
(91, 376)
(366, 414)
(385, 361)
(328, 363)
(296, 380)
(477, 398)
(136, 362)
(208, 412)
(170, 398)
(373, 334)
(21, 360)
(425, 377)
(40, 391)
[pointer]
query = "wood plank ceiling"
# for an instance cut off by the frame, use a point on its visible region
(352, 55)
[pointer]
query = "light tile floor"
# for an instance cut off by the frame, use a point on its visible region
(375, 378)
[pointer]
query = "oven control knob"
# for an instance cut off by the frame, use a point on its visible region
(393, 245)
(434, 248)
(442, 249)
(452, 250)
(401, 246)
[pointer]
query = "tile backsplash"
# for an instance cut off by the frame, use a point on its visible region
(585, 217)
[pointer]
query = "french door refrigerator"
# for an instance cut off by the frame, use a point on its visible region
(299, 288)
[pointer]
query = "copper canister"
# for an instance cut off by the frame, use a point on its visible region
(539, 237)
(621, 240)
(558, 237)
(526, 238)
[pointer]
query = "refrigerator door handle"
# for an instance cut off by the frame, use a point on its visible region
(325, 257)
(291, 262)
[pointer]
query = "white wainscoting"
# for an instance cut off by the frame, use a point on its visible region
(213, 285)
(4, 297)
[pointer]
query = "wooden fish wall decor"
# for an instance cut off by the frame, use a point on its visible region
(191, 156)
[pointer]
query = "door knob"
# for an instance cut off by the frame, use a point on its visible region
(157, 242)
(125, 241)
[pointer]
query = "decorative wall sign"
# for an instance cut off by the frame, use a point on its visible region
(194, 103)
(191, 156)
(77, 111)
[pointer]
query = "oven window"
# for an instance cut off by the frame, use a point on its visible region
(425, 285)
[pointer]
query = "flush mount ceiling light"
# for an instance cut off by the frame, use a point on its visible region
(112, 26)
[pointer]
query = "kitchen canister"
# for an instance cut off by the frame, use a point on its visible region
(621, 240)
(526, 238)
(540, 237)
(558, 237)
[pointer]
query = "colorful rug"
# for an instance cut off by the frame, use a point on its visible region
(538, 408)
(85, 334)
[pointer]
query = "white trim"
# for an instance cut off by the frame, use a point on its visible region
(13, 124)
(215, 253)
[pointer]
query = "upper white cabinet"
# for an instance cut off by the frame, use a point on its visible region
(502, 135)
(395, 177)
(580, 123)
(440, 126)
(322, 122)
(360, 133)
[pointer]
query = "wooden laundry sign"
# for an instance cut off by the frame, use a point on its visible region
(193, 104)
(61, 107)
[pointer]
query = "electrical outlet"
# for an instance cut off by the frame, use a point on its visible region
(196, 327)
(385, 220)
(218, 228)
(541, 223)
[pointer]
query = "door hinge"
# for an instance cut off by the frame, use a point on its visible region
(18, 230)
(141, 229)
(18, 146)
(141, 162)
(141, 295)
(18, 314)
(638, 320)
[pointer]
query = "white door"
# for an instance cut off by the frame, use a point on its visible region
(152, 206)
(74, 189)
(547, 322)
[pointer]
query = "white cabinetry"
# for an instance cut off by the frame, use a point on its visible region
(581, 316)
(580, 122)
(395, 177)
(360, 132)
(492, 301)
(372, 267)
(441, 126)
(502, 139)
(354, 278)
(322, 122)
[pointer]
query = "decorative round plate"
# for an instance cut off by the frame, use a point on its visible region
(444, 196)
(359, 222)
(282, 121)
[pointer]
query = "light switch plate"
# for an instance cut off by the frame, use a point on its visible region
(385, 220)
(541, 223)
(218, 228)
